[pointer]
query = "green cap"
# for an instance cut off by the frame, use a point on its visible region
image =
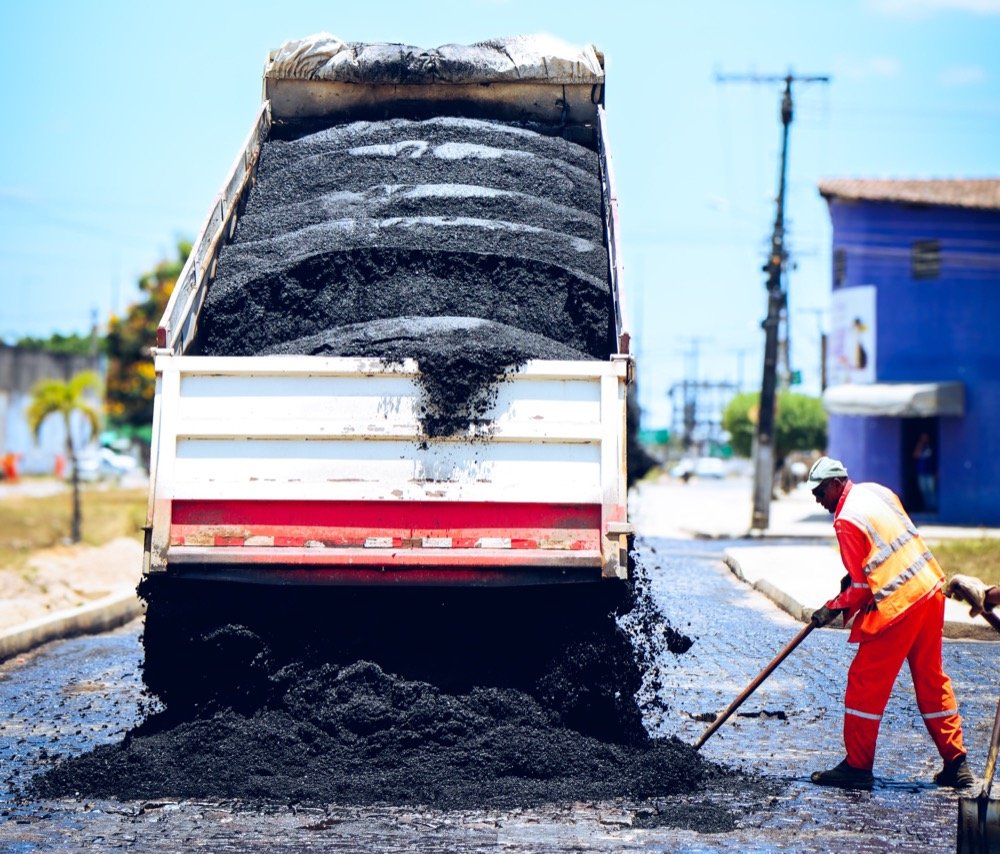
(825, 468)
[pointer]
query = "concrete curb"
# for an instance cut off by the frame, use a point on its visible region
(780, 598)
(956, 630)
(112, 611)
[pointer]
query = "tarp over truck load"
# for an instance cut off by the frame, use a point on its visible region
(512, 78)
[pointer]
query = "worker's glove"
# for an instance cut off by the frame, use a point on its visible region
(970, 590)
(845, 582)
(823, 616)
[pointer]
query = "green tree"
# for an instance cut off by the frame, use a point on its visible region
(64, 345)
(800, 423)
(131, 380)
(58, 397)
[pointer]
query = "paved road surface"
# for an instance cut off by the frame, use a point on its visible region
(72, 695)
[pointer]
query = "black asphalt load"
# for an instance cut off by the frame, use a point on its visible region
(446, 217)
(436, 225)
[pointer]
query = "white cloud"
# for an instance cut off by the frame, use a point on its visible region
(854, 68)
(925, 8)
(963, 75)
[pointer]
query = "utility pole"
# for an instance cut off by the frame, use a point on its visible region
(695, 349)
(764, 456)
(690, 395)
(93, 332)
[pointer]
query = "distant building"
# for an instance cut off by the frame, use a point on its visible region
(20, 369)
(913, 361)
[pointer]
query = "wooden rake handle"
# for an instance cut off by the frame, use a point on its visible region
(991, 757)
(753, 686)
(992, 619)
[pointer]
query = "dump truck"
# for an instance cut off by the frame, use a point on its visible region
(301, 491)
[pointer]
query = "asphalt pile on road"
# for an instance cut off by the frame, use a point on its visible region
(355, 733)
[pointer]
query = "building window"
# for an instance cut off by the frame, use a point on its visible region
(839, 267)
(925, 259)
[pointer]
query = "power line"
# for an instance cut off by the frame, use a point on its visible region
(77, 226)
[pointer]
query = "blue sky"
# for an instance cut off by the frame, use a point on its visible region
(123, 119)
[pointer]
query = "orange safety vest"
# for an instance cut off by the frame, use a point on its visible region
(899, 567)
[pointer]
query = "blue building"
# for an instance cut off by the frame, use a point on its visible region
(913, 357)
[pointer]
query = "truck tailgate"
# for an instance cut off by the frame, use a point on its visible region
(304, 468)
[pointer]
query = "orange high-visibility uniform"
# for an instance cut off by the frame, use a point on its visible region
(896, 586)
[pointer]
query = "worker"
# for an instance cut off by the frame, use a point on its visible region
(974, 592)
(10, 472)
(893, 589)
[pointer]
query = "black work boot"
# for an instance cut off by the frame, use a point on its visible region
(844, 776)
(956, 774)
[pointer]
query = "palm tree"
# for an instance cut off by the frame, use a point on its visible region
(65, 398)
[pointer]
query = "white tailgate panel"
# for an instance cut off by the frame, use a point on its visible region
(344, 429)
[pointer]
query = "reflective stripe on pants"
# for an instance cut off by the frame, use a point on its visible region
(915, 638)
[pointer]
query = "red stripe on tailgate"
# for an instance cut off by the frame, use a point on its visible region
(427, 515)
(352, 523)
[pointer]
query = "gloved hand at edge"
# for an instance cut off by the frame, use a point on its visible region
(823, 616)
(845, 582)
(968, 589)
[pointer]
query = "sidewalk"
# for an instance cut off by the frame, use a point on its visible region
(795, 563)
(67, 590)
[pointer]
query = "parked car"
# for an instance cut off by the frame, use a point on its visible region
(104, 464)
(702, 467)
(709, 467)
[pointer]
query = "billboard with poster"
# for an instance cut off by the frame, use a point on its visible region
(851, 349)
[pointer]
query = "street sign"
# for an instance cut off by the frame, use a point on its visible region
(654, 437)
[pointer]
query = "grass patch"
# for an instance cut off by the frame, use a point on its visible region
(29, 524)
(980, 558)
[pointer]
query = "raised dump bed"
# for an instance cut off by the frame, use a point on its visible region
(396, 353)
